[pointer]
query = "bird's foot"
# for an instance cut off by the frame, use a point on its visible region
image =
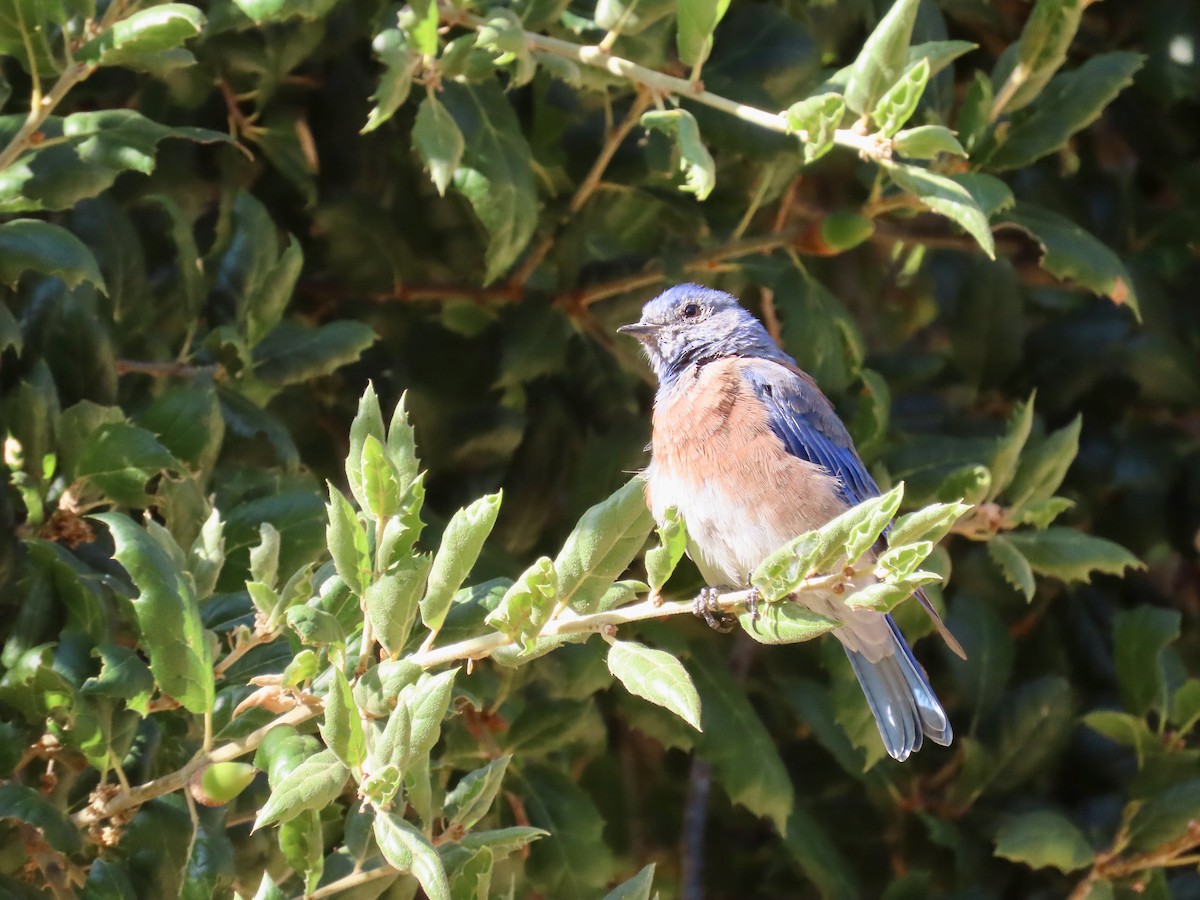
(752, 600)
(706, 607)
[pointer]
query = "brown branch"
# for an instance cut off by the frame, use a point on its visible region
(1110, 866)
(168, 370)
(587, 187)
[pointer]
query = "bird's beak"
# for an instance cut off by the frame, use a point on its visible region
(640, 330)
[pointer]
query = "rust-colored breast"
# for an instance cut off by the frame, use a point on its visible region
(716, 458)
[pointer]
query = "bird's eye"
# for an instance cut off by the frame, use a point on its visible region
(691, 311)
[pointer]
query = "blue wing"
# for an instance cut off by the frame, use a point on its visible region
(805, 421)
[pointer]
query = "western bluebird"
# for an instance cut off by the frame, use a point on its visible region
(752, 454)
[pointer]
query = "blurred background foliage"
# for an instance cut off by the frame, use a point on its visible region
(218, 222)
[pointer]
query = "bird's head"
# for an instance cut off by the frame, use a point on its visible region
(689, 324)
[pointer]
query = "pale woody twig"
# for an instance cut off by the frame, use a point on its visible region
(868, 145)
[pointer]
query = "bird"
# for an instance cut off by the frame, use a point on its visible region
(751, 454)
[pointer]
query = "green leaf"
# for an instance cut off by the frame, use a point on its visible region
(1069, 103)
(1140, 636)
(146, 32)
(119, 459)
(381, 482)
(437, 138)
(940, 54)
(342, 729)
(461, 544)
(899, 103)
(744, 756)
(29, 245)
(927, 142)
(1015, 567)
(636, 888)
(427, 702)
(1005, 458)
(293, 353)
(1041, 513)
(946, 197)
(392, 601)
(696, 163)
(1072, 555)
(422, 27)
(167, 614)
(1039, 52)
(883, 57)
(264, 559)
(1071, 254)
(27, 805)
(672, 541)
(409, 850)
(495, 174)
(785, 622)
(472, 797)
(847, 537)
(28, 29)
(574, 860)
(503, 841)
(313, 784)
(473, 879)
(1185, 705)
(10, 330)
(932, 523)
(376, 690)
(816, 119)
(1044, 839)
(188, 422)
(368, 422)
(657, 676)
(1166, 817)
(123, 676)
(526, 606)
(82, 155)
(808, 842)
(1033, 724)
(1043, 467)
(695, 22)
(315, 626)
(302, 843)
(1125, 729)
(982, 677)
(400, 63)
(401, 443)
(602, 545)
(347, 540)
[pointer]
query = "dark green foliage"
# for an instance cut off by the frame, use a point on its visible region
(434, 646)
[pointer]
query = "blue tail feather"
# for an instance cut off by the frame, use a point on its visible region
(901, 699)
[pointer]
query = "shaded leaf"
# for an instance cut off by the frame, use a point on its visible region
(168, 616)
(30, 245)
(1044, 838)
(657, 676)
(696, 163)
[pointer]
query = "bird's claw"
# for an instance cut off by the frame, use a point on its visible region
(752, 598)
(706, 607)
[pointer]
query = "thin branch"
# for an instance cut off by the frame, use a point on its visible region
(167, 370)
(40, 110)
(122, 800)
(587, 187)
(473, 649)
(871, 146)
(353, 880)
